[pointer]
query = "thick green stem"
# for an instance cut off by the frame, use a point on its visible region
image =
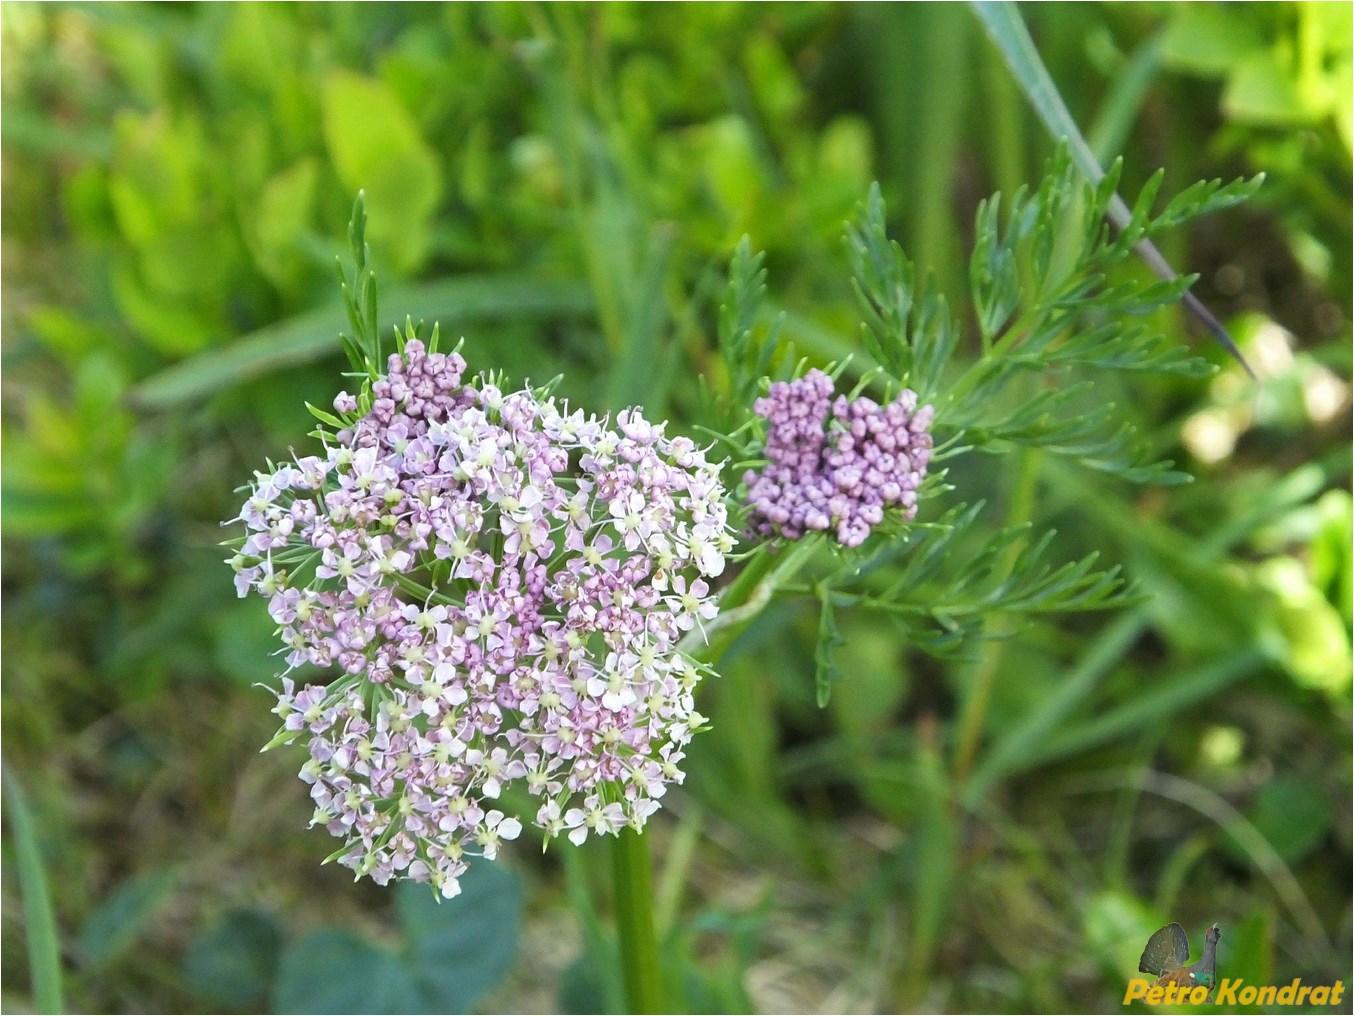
(631, 871)
(633, 883)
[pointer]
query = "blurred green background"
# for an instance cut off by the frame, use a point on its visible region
(563, 185)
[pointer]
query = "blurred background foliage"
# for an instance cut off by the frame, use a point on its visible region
(563, 185)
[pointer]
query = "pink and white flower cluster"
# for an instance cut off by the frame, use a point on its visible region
(502, 585)
(835, 465)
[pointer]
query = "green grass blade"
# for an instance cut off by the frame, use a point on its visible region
(1002, 20)
(1183, 691)
(314, 334)
(44, 948)
(1008, 32)
(1020, 747)
(1123, 103)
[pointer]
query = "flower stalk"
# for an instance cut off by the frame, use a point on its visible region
(632, 880)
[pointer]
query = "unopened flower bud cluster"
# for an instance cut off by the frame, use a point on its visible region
(501, 585)
(835, 466)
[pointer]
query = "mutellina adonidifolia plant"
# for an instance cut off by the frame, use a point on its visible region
(506, 590)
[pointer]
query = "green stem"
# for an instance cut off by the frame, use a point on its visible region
(747, 596)
(979, 691)
(44, 952)
(633, 883)
(631, 871)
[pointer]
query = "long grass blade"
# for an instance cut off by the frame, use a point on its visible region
(1153, 707)
(44, 949)
(309, 336)
(1008, 32)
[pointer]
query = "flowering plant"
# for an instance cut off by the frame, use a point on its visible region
(515, 593)
(512, 591)
(503, 585)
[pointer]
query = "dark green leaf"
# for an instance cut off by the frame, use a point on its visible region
(118, 920)
(332, 971)
(231, 964)
(458, 949)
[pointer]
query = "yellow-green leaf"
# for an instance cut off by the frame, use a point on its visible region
(375, 145)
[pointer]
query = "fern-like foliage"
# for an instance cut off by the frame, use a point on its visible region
(1054, 308)
(746, 350)
(363, 347)
(1041, 295)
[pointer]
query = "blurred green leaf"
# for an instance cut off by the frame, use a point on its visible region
(1292, 814)
(171, 326)
(309, 336)
(732, 170)
(244, 641)
(1208, 39)
(118, 920)
(1247, 950)
(333, 971)
(376, 147)
(1331, 551)
(866, 703)
(450, 953)
(258, 46)
(1260, 90)
(231, 962)
(155, 174)
(1310, 638)
(582, 990)
(458, 949)
(1116, 926)
(285, 209)
(69, 336)
(39, 513)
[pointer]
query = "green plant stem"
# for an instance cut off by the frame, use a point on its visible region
(934, 854)
(978, 694)
(746, 597)
(44, 951)
(632, 875)
(632, 880)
